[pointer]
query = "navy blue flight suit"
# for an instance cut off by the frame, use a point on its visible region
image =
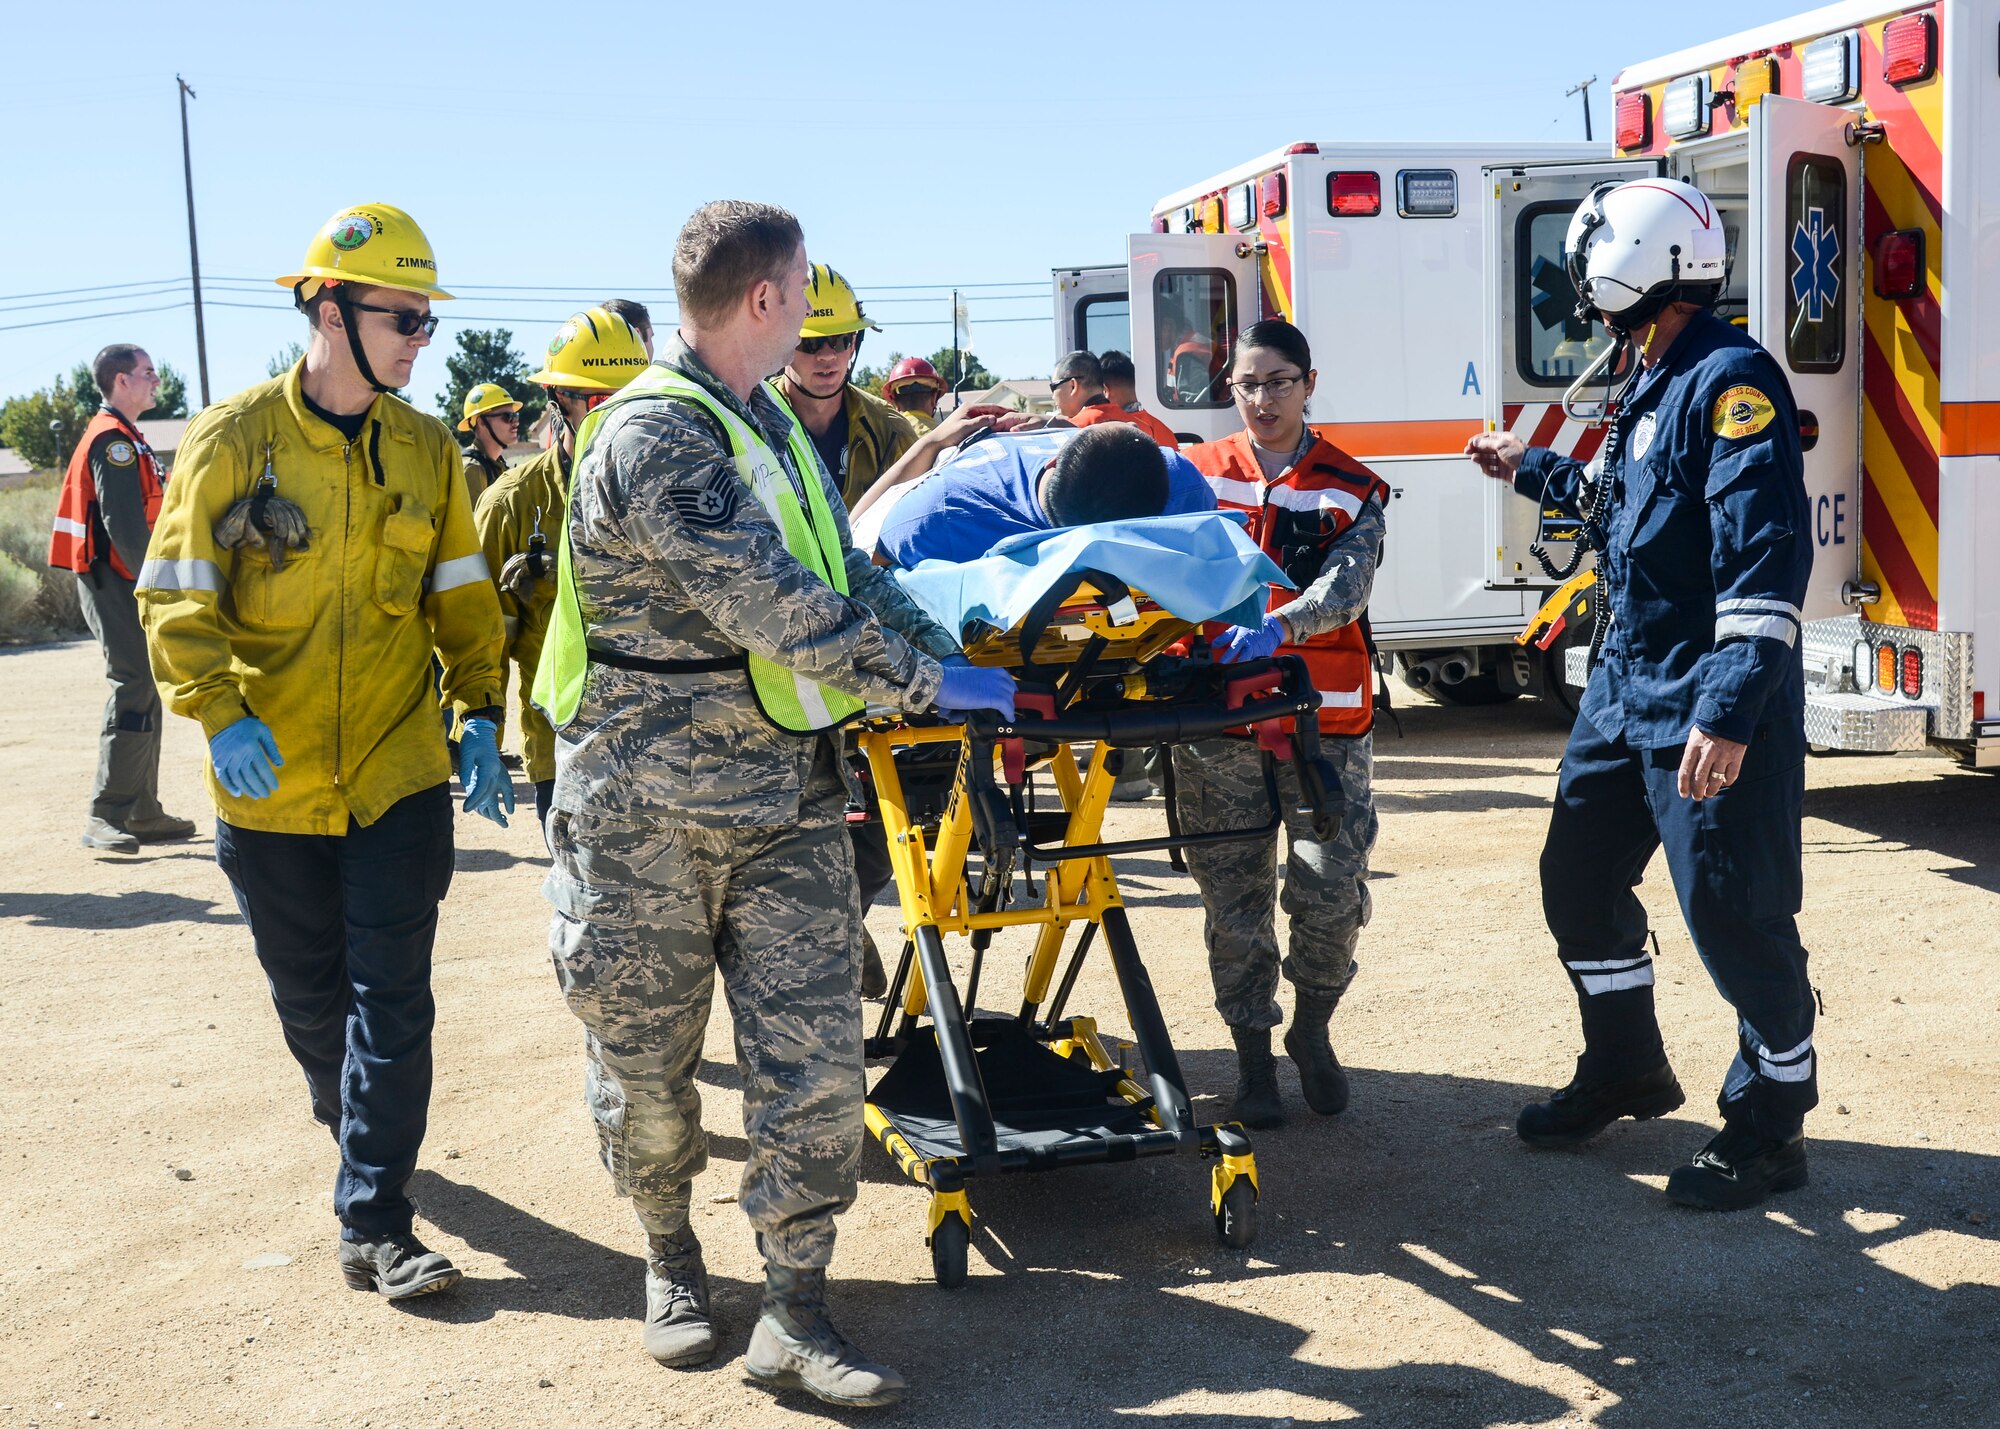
(1707, 561)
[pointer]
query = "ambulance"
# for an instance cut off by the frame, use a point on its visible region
(1380, 254)
(1854, 155)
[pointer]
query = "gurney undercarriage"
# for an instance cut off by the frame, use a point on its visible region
(994, 824)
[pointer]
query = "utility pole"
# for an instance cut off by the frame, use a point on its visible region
(957, 367)
(1584, 90)
(194, 252)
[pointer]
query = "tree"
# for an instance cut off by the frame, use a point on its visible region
(872, 378)
(488, 355)
(43, 426)
(285, 361)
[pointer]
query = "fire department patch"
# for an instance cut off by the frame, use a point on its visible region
(1642, 435)
(120, 453)
(709, 505)
(1742, 412)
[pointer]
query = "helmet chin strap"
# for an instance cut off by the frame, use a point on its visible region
(348, 320)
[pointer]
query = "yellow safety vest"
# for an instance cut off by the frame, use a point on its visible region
(788, 700)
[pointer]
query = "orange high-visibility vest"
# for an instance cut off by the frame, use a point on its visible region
(1109, 411)
(79, 537)
(1295, 519)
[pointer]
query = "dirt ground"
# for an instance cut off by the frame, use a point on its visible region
(1417, 1265)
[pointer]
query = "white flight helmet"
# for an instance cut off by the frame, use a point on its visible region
(1634, 247)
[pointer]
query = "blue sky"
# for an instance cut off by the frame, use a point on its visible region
(551, 152)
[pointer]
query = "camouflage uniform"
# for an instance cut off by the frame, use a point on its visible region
(690, 834)
(1219, 784)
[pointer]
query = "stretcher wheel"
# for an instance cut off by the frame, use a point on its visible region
(1236, 1217)
(949, 1243)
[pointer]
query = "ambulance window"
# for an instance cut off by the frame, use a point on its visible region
(1104, 323)
(1550, 346)
(1815, 220)
(1194, 324)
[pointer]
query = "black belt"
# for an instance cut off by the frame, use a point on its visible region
(619, 660)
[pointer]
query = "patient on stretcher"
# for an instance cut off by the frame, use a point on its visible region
(1004, 485)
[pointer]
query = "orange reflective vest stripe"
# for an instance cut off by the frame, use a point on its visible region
(1109, 411)
(79, 537)
(1294, 519)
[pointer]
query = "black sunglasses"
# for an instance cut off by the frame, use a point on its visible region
(409, 322)
(841, 342)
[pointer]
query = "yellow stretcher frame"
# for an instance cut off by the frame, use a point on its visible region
(1116, 638)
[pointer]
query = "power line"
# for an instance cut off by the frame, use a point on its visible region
(86, 317)
(173, 286)
(100, 288)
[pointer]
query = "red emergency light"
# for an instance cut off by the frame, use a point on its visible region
(1159, 225)
(1899, 264)
(1271, 198)
(1635, 119)
(1909, 49)
(1913, 672)
(1355, 194)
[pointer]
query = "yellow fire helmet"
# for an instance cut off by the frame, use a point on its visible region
(596, 351)
(831, 307)
(483, 398)
(368, 243)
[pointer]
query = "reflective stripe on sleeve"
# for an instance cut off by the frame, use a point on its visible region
(450, 575)
(1750, 603)
(1343, 699)
(67, 527)
(1249, 493)
(1768, 627)
(180, 575)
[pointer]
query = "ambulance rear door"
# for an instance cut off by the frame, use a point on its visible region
(1093, 310)
(1805, 308)
(1191, 294)
(1535, 347)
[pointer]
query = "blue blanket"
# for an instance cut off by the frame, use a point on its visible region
(1199, 567)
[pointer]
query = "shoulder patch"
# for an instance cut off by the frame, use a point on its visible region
(712, 503)
(1742, 411)
(120, 453)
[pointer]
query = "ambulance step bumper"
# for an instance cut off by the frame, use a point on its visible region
(1865, 724)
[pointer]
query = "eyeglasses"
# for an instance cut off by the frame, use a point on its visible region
(1275, 390)
(840, 342)
(409, 322)
(1055, 387)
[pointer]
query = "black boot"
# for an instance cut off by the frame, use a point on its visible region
(678, 1331)
(1320, 1074)
(874, 977)
(1585, 1107)
(1256, 1105)
(396, 1267)
(1738, 1168)
(795, 1345)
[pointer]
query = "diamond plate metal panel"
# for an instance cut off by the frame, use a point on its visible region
(1865, 724)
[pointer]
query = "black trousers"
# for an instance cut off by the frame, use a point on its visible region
(1735, 860)
(343, 928)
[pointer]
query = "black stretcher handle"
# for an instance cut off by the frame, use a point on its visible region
(1137, 728)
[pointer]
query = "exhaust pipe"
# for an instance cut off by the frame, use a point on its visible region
(1454, 670)
(1419, 676)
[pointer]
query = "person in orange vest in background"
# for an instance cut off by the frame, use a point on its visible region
(913, 388)
(1121, 379)
(1078, 388)
(110, 499)
(1321, 515)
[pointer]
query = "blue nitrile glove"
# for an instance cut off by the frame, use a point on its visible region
(967, 686)
(1239, 644)
(246, 759)
(488, 788)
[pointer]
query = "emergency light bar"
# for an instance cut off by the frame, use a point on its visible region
(1635, 120)
(1755, 79)
(1832, 68)
(1427, 193)
(1909, 49)
(1684, 110)
(1354, 195)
